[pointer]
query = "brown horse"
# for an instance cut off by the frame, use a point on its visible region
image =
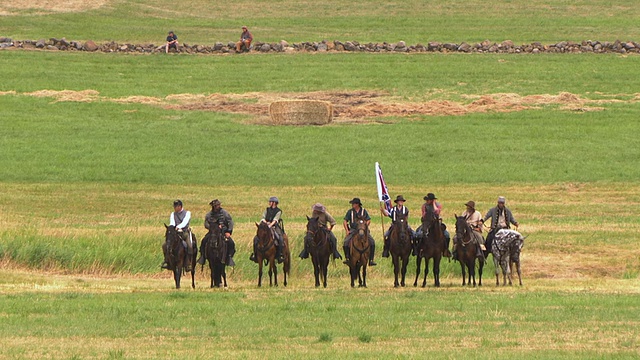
(359, 251)
(317, 240)
(177, 255)
(215, 253)
(466, 247)
(430, 247)
(266, 254)
(400, 247)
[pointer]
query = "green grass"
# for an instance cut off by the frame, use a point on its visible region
(274, 324)
(198, 21)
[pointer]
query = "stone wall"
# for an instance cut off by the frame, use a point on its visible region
(505, 47)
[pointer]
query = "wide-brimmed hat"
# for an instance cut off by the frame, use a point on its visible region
(177, 203)
(274, 199)
(430, 196)
(215, 202)
(356, 201)
(318, 207)
(399, 198)
(501, 199)
(471, 204)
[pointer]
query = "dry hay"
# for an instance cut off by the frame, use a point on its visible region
(48, 6)
(300, 112)
(347, 106)
(67, 95)
(10, 92)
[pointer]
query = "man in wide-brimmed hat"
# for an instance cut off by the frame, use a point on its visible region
(474, 219)
(180, 218)
(501, 218)
(350, 224)
(324, 218)
(273, 217)
(245, 40)
(430, 203)
(398, 209)
(221, 218)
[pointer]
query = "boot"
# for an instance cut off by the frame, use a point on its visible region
(372, 253)
(201, 260)
(279, 256)
(385, 248)
(336, 253)
(230, 261)
(479, 253)
(347, 255)
(188, 260)
(304, 254)
(253, 258)
(446, 253)
(165, 265)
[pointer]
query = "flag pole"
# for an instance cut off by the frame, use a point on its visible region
(382, 219)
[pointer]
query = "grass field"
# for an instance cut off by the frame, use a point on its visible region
(87, 180)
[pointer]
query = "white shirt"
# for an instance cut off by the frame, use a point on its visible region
(184, 222)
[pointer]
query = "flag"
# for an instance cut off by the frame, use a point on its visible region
(383, 192)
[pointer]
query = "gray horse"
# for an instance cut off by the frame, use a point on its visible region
(506, 251)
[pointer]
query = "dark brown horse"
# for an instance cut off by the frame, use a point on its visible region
(317, 240)
(266, 254)
(430, 247)
(359, 251)
(466, 247)
(400, 247)
(215, 253)
(177, 255)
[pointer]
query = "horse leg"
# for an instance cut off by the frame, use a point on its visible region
(396, 270)
(275, 272)
(509, 271)
(464, 273)
(436, 270)
(496, 264)
(418, 262)
(405, 261)
(223, 274)
(325, 269)
(270, 272)
(259, 271)
(176, 276)
(364, 274)
(316, 272)
(519, 273)
(472, 270)
(426, 272)
(480, 267)
(352, 274)
(193, 276)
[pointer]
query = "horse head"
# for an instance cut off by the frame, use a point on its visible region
(403, 225)
(462, 228)
(263, 233)
(362, 227)
(170, 233)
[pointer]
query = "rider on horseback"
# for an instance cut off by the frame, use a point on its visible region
(320, 212)
(180, 218)
(220, 217)
(429, 203)
(398, 209)
(501, 218)
(474, 220)
(272, 216)
(351, 227)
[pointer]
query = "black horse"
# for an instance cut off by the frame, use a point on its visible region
(215, 252)
(400, 248)
(177, 257)
(317, 240)
(431, 247)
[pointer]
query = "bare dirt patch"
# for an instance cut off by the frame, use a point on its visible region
(47, 6)
(348, 106)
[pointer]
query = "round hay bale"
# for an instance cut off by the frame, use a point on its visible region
(300, 112)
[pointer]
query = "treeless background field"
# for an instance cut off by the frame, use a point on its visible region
(95, 147)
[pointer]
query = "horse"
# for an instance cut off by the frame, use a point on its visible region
(359, 251)
(507, 245)
(266, 254)
(400, 247)
(216, 253)
(317, 240)
(431, 247)
(467, 248)
(177, 255)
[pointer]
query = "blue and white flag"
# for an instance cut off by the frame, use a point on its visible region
(383, 192)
